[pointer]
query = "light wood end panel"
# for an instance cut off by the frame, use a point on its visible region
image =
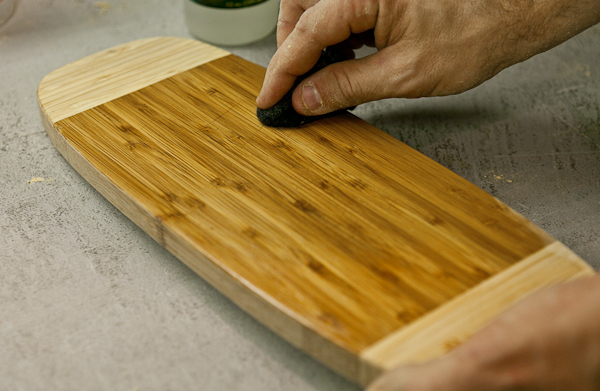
(454, 322)
(117, 71)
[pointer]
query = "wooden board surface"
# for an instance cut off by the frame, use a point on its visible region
(343, 240)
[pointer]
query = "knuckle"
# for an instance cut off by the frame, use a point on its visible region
(305, 19)
(284, 24)
(350, 90)
(305, 29)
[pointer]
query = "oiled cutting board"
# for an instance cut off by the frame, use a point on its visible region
(344, 241)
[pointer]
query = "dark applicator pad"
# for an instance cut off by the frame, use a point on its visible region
(283, 114)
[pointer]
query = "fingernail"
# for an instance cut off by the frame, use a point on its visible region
(310, 97)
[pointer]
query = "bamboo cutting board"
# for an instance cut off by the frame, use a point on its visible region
(341, 239)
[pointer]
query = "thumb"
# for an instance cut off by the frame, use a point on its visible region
(445, 374)
(344, 84)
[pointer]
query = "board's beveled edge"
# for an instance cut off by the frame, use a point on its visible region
(277, 320)
(325, 351)
(118, 71)
(440, 330)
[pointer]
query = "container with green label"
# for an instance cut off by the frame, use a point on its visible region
(231, 22)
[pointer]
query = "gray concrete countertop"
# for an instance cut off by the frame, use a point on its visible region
(89, 302)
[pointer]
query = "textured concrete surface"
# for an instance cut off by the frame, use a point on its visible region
(90, 302)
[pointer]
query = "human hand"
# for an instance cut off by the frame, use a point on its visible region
(425, 47)
(550, 341)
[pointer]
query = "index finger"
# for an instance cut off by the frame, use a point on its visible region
(327, 23)
(290, 12)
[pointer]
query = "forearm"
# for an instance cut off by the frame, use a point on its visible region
(538, 25)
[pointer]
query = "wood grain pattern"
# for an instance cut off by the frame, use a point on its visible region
(339, 237)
